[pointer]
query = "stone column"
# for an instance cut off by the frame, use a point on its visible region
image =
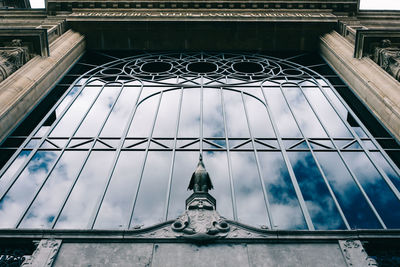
(374, 86)
(23, 89)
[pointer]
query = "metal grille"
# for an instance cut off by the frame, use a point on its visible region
(117, 150)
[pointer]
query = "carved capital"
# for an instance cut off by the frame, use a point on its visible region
(12, 57)
(355, 254)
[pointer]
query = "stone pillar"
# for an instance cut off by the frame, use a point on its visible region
(374, 86)
(22, 90)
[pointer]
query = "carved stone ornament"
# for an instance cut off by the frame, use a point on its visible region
(355, 254)
(387, 57)
(200, 221)
(45, 253)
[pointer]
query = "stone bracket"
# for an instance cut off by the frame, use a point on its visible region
(45, 253)
(354, 254)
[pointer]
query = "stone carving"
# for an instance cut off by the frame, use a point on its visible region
(45, 253)
(12, 57)
(200, 181)
(355, 254)
(388, 57)
(200, 222)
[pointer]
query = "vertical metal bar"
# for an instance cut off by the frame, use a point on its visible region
(268, 207)
(144, 160)
(228, 156)
(314, 157)
(201, 114)
(172, 165)
(296, 186)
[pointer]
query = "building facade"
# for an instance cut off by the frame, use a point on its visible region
(292, 106)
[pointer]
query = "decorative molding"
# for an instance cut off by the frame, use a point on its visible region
(198, 14)
(354, 254)
(45, 253)
(334, 5)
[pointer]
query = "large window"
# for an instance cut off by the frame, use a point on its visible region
(117, 150)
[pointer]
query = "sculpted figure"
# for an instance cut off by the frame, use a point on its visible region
(388, 57)
(200, 181)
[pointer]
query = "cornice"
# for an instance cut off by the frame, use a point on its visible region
(335, 5)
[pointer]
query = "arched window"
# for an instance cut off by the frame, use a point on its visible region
(283, 149)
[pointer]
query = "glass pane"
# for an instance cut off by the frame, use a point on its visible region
(190, 114)
(118, 119)
(167, 114)
(387, 205)
(217, 166)
(6, 178)
(213, 122)
(355, 208)
(284, 204)
(99, 112)
(326, 113)
(68, 98)
(185, 164)
(21, 193)
(68, 123)
(150, 202)
(344, 112)
(50, 199)
(86, 192)
(382, 162)
(258, 118)
(235, 117)
(319, 202)
(115, 210)
(144, 117)
(281, 113)
(306, 118)
(248, 190)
